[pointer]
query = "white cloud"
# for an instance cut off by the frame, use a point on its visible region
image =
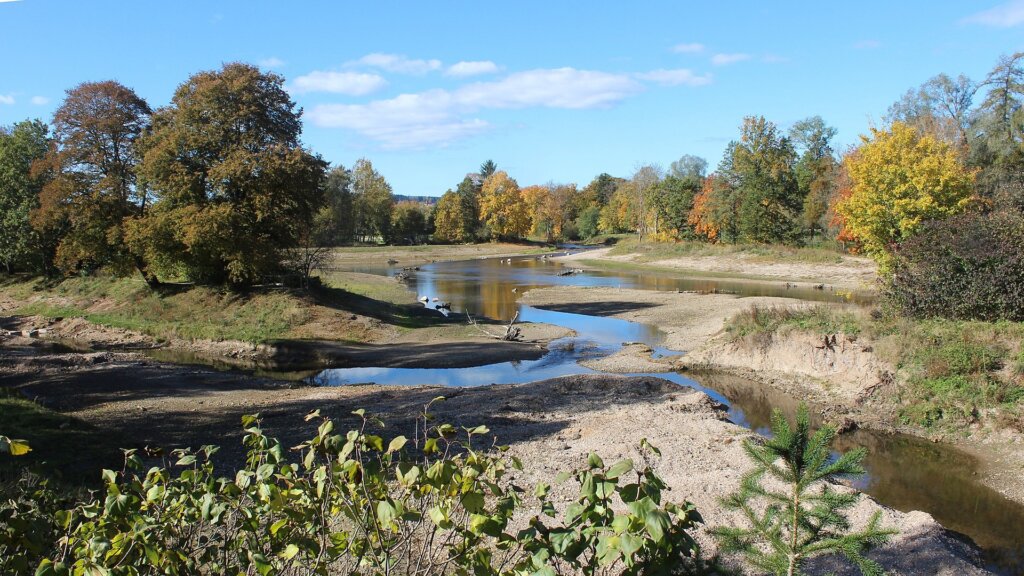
(350, 83)
(406, 121)
(724, 59)
(550, 88)
(40, 100)
(1006, 15)
(397, 63)
(272, 62)
(675, 77)
(870, 44)
(7, 99)
(473, 68)
(439, 117)
(691, 48)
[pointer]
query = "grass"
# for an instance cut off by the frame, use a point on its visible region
(654, 251)
(950, 374)
(60, 444)
(759, 320)
(189, 313)
(207, 313)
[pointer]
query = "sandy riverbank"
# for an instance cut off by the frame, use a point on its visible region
(849, 273)
(846, 382)
(551, 425)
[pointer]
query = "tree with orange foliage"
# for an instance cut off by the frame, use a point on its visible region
(93, 191)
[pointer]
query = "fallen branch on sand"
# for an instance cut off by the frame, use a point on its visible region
(512, 332)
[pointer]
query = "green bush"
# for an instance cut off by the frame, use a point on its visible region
(968, 267)
(354, 503)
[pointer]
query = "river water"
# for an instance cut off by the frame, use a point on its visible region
(904, 472)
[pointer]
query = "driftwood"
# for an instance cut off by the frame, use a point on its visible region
(512, 332)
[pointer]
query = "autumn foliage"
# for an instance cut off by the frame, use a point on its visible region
(900, 179)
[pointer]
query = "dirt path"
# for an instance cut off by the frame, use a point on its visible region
(850, 273)
(552, 425)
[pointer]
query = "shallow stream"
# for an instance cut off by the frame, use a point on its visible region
(904, 472)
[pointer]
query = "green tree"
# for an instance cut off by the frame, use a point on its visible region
(21, 145)
(373, 202)
(469, 200)
(806, 516)
(815, 170)
(487, 168)
(674, 201)
(588, 221)
(234, 186)
(335, 219)
(997, 136)
(601, 188)
(759, 168)
(408, 223)
(92, 191)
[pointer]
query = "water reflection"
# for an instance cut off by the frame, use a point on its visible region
(905, 473)
(490, 287)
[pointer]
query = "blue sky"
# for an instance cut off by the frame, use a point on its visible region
(552, 91)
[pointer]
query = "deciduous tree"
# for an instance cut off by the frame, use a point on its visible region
(449, 220)
(373, 202)
(408, 223)
(234, 186)
(759, 167)
(92, 191)
(900, 179)
(502, 207)
(21, 145)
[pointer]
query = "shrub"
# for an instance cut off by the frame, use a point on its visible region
(353, 504)
(968, 267)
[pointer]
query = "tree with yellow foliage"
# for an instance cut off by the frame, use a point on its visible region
(901, 179)
(449, 219)
(502, 207)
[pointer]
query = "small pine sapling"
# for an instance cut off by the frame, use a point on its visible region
(807, 517)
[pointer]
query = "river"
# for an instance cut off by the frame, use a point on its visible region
(904, 472)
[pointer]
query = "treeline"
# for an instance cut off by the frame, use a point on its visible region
(215, 187)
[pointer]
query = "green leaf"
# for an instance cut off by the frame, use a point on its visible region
(277, 526)
(290, 551)
(619, 468)
(594, 461)
(396, 444)
(473, 501)
(542, 490)
(386, 513)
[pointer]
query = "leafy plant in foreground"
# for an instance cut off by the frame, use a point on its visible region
(352, 503)
(807, 517)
